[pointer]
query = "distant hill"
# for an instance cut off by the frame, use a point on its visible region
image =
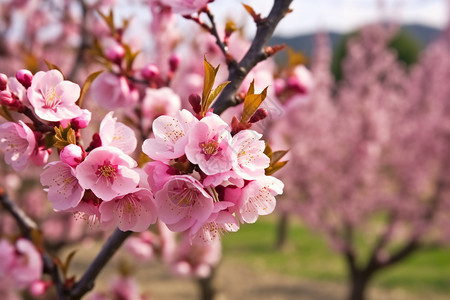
(305, 43)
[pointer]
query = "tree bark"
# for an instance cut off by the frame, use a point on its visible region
(207, 290)
(359, 282)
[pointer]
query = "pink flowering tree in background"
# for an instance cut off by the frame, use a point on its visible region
(122, 138)
(370, 154)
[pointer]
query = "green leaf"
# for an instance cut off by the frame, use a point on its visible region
(210, 77)
(277, 155)
(65, 266)
(214, 93)
(64, 137)
(86, 85)
(109, 20)
(249, 9)
(252, 103)
(273, 168)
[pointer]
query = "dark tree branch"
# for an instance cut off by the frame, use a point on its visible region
(231, 62)
(26, 224)
(256, 53)
(38, 124)
(86, 283)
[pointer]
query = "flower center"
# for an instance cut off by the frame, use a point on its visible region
(108, 171)
(51, 99)
(210, 148)
(184, 197)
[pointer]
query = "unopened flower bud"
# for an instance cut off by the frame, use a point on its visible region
(3, 82)
(115, 53)
(95, 143)
(150, 71)
(195, 101)
(38, 288)
(174, 61)
(6, 98)
(40, 155)
(72, 155)
(83, 120)
(24, 77)
(259, 115)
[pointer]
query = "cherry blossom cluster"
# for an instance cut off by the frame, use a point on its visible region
(204, 178)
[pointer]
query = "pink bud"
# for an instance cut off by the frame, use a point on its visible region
(195, 100)
(150, 71)
(115, 53)
(96, 142)
(3, 82)
(174, 61)
(40, 155)
(24, 77)
(259, 115)
(38, 288)
(6, 98)
(72, 155)
(83, 120)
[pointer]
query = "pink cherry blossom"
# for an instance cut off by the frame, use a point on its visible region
(158, 174)
(194, 259)
(28, 265)
(220, 222)
(80, 122)
(258, 198)
(52, 97)
(18, 143)
(249, 160)
(182, 202)
(140, 248)
(64, 190)
(108, 172)
(117, 134)
(170, 136)
(158, 102)
(111, 92)
(134, 211)
(208, 145)
(40, 155)
(224, 178)
(185, 7)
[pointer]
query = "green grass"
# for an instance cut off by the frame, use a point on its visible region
(309, 256)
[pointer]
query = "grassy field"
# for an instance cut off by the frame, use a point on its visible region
(308, 256)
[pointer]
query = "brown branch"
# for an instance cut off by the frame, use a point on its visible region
(86, 283)
(38, 124)
(256, 54)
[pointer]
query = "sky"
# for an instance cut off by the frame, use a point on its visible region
(340, 15)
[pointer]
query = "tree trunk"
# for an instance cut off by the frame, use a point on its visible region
(207, 290)
(359, 283)
(282, 229)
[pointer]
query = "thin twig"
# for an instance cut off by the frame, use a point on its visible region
(86, 283)
(254, 55)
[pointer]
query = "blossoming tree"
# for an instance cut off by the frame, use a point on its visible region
(370, 154)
